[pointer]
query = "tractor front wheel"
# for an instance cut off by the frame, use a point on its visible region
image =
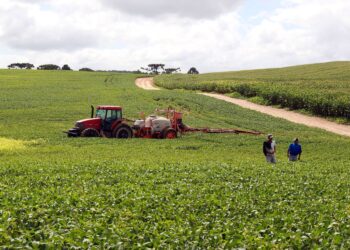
(90, 132)
(169, 134)
(123, 132)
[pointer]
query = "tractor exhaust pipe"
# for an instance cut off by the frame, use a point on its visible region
(92, 111)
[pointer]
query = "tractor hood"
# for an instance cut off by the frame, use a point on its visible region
(89, 123)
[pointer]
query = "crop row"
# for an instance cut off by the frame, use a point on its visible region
(201, 191)
(321, 98)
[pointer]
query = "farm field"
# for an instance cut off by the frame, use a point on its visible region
(321, 89)
(199, 191)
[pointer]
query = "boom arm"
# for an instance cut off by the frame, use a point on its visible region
(220, 131)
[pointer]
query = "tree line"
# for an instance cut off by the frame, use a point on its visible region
(43, 67)
(159, 68)
(153, 68)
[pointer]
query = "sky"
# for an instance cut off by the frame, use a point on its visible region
(210, 35)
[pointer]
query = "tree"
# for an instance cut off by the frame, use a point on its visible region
(66, 67)
(155, 68)
(172, 70)
(21, 66)
(29, 66)
(193, 71)
(86, 69)
(49, 67)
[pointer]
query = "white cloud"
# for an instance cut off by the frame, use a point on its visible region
(204, 9)
(91, 33)
(303, 32)
(298, 32)
(29, 27)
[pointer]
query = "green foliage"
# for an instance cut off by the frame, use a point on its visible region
(199, 191)
(20, 66)
(49, 67)
(323, 89)
(193, 71)
(66, 67)
(86, 69)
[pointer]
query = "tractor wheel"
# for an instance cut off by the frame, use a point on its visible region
(123, 132)
(90, 132)
(169, 134)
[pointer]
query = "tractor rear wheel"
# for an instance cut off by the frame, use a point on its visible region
(90, 132)
(123, 132)
(169, 134)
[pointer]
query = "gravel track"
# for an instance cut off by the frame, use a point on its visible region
(310, 121)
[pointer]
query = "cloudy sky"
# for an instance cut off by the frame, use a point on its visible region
(210, 35)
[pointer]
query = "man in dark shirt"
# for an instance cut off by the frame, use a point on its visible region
(294, 150)
(269, 149)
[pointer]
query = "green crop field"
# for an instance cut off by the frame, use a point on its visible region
(199, 191)
(322, 89)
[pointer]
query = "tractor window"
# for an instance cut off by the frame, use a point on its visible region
(101, 113)
(113, 114)
(117, 114)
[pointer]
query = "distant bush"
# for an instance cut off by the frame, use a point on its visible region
(122, 71)
(66, 67)
(21, 66)
(49, 67)
(193, 71)
(86, 69)
(172, 70)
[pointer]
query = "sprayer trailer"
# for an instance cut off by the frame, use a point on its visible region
(108, 122)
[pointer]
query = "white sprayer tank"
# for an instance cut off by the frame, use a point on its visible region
(156, 123)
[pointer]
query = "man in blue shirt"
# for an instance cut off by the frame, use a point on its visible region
(294, 150)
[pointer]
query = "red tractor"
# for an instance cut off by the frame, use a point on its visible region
(107, 122)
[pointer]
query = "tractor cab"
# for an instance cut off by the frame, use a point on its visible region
(108, 121)
(107, 112)
(108, 115)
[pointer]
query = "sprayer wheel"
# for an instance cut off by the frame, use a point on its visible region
(169, 133)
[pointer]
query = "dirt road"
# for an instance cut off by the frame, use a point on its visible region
(310, 121)
(316, 122)
(145, 83)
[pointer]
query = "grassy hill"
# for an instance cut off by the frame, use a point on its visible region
(322, 89)
(198, 191)
(328, 71)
